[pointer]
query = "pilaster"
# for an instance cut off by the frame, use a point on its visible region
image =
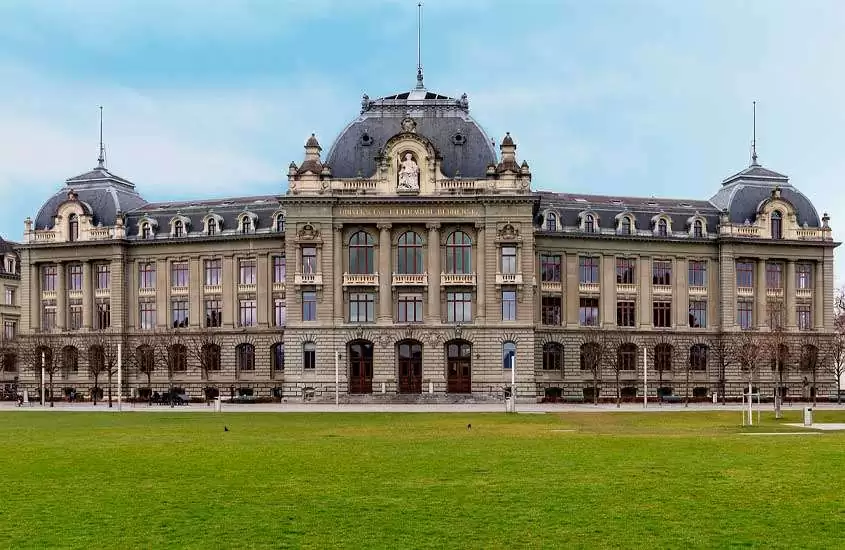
(608, 290)
(681, 292)
(572, 295)
(789, 291)
(263, 285)
(196, 315)
(337, 272)
(61, 296)
(433, 272)
(760, 294)
(87, 296)
(818, 296)
(727, 288)
(481, 271)
(645, 314)
(385, 301)
(162, 287)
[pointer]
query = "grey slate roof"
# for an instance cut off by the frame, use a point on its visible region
(465, 148)
(102, 191)
(742, 193)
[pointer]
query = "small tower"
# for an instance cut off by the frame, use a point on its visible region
(312, 163)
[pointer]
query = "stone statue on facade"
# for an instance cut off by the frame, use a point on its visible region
(409, 174)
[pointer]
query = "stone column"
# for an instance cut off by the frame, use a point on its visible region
(727, 288)
(61, 296)
(645, 316)
(481, 272)
(789, 298)
(760, 294)
(681, 292)
(714, 294)
(385, 281)
(263, 294)
(87, 296)
(818, 295)
(564, 294)
(827, 290)
(434, 272)
(132, 295)
(34, 298)
(229, 283)
(571, 290)
(196, 313)
(119, 285)
(607, 278)
(337, 273)
(162, 294)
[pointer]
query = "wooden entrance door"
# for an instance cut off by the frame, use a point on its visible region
(459, 367)
(410, 367)
(361, 367)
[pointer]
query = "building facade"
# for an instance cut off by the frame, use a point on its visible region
(9, 317)
(414, 261)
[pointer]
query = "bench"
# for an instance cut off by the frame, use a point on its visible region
(672, 398)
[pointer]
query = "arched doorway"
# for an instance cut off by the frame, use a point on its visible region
(410, 366)
(458, 366)
(360, 366)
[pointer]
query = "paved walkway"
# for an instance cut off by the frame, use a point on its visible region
(533, 408)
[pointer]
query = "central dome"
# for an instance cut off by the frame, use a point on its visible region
(465, 148)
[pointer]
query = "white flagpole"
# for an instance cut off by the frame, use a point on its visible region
(645, 378)
(119, 376)
(43, 363)
(513, 382)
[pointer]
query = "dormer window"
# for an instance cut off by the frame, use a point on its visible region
(662, 228)
(73, 227)
(698, 229)
(280, 223)
(589, 223)
(145, 231)
(211, 226)
(246, 224)
(777, 225)
(10, 265)
(551, 222)
(178, 228)
(625, 226)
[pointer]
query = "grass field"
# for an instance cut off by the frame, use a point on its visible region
(630, 480)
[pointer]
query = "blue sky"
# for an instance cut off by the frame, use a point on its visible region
(206, 99)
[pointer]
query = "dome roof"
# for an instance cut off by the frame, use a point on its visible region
(742, 194)
(100, 190)
(464, 147)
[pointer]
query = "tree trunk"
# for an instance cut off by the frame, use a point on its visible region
(150, 387)
(618, 391)
(813, 389)
(724, 387)
(778, 395)
(96, 387)
(51, 389)
(110, 376)
(686, 389)
(595, 389)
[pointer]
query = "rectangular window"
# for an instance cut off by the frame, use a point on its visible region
(458, 307)
(775, 311)
(9, 330)
(179, 274)
(774, 275)
(147, 315)
(74, 317)
(361, 307)
(661, 272)
(247, 272)
(213, 272)
(626, 313)
(180, 313)
(279, 356)
(309, 356)
(508, 259)
(103, 316)
(103, 276)
(213, 313)
(246, 313)
(744, 314)
(588, 312)
(309, 260)
(698, 314)
(74, 277)
(48, 278)
(626, 271)
(146, 275)
(803, 275)
(662, 314)
(9, 296)
(550, 268)
(805, 321)
(744, 274)
(280, 316)
(588, 269)
(279, 269)
(48, 315)
(697, 273)
(551, 310)
(409, 308)
(508, 305)
(309, 305)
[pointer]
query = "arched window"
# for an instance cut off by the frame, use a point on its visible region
(246, 224)
(211, 357)
(589, 223)
(777, 225)
(277, 352)
(698, 229)
(625, 225)
(663, 357)
(409, 258)
(662, 228)
(177, 358)
(552, 356)
(211, 226)
(280, 223)
(779, 359)
(591, 353)
(361, 255)
(809, 358)
(309, 355)
(43, 357)
(73, 227)
(551, 222)
(70, 359)
(508, 355)
(245, 356)
(178, 228)
(9, 361)
(458, 253)
(627, 356)
(145, 230)
(96, 359)
(145, 359)
(698, 357)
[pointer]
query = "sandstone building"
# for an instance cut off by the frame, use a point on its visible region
(416, 254)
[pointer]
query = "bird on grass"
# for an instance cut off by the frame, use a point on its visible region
(469, 427)
(225, 428)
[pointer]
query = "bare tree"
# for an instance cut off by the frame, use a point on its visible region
(721, 346)
(749, 353)
(203, 345)
(104, 346)
(835, 349)
(96, 358)
(9, 352)
(593, 346)
(144, 358)
(40, 351)
(776, 345)
(692, 359)
(661, 351)
(811, 359)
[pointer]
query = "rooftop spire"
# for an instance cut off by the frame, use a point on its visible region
(419, 54)
(754, 134)
(101, 159)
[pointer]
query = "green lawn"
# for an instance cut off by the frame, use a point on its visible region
(677, 480)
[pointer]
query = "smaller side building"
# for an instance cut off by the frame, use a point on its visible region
(10, 276)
